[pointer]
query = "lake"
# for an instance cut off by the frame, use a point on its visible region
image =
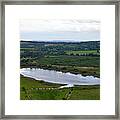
(59, 77)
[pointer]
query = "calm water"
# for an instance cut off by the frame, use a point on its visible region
(59, 77)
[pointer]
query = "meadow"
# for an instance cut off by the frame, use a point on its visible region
(82, 52)
(39, 90)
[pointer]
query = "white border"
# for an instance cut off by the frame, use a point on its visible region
(15, 106)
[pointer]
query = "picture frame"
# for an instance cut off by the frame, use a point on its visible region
(80, 2)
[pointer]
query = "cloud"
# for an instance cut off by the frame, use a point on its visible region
(60, 29)
(59, 25)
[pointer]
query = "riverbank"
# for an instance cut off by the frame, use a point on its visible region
(31, 89)
(84, 71)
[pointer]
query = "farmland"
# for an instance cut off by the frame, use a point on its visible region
(53, 56)
(77, 58)
(82, 52)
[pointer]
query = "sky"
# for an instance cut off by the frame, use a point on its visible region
(69, 30)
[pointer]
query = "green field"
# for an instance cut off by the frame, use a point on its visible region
(82, 52)
(83, 61)
(27, 49)
(31, 89)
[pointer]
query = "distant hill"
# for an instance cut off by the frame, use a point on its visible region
(88, 45)
(59, 41)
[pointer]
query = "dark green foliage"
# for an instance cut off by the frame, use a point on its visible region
(64, 60)
(38, 49)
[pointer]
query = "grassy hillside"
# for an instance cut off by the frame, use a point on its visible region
(31, 89)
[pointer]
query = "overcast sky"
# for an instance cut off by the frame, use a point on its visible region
(60, 30)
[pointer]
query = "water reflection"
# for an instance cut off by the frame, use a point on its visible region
(59, 77)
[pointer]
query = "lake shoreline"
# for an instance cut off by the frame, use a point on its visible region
(84, 71)
(53, 83)
(42, 81)
(56, 77)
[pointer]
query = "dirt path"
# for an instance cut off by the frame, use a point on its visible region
(68, 95)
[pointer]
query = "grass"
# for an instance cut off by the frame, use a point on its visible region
(29, 91)
(81, 52)
(45, 95)
(85, 93)
(81, 61)
(27, 49)
(28, 83)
